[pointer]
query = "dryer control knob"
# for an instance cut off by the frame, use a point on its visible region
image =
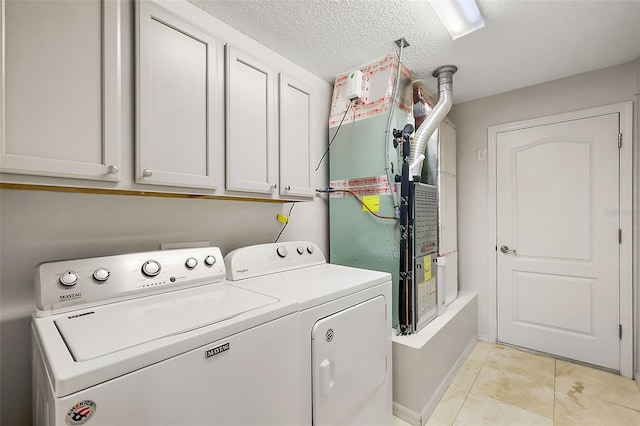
(310, 249)
(69, 279)
(151, 268)
(282, 251)
(101, 274)
(300, 250)
(191, 263)
(210, 260)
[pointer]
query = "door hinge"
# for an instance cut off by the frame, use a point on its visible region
(620, 331)
(619, 236)
(619, 140)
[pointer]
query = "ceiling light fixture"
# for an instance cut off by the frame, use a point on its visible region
(460, 17)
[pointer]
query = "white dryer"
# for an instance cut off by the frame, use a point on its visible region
(160, 338)
(345, 329)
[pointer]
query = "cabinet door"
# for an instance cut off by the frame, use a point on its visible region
(60, 99)
(295, 138)
(179, 104)
(252, 162)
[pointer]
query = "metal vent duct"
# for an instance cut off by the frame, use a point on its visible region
(444, 74)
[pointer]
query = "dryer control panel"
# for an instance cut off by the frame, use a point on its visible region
(74, 284)
(264, 259)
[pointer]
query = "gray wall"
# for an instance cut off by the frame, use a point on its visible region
(40, 226)
(472, 119)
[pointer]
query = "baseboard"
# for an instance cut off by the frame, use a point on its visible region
(484, 338)
(442, 389)
(406, 414)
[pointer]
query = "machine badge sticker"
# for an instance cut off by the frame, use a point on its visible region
(70, 296)
(81, 412)
(217, 350)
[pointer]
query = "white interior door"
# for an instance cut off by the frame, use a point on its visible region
(558, 220)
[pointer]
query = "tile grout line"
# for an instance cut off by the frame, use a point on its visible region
(474, 381)
(615, 403)
(606, 401)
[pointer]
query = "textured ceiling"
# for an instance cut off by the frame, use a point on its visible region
(523, 43)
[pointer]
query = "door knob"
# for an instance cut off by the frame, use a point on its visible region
(507, 250)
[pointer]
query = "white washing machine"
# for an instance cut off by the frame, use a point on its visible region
(345, 329)
(160, 338)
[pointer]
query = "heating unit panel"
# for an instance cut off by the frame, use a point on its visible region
(425, 213)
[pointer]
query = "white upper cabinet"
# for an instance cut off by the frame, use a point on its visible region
(216, 113)
(179, 101)
(60, 99)
(252, 128)
(295, 138)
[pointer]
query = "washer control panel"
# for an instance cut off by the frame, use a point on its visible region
(78, 283)
(263, 259)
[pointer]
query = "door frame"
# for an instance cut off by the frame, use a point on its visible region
(625, 109)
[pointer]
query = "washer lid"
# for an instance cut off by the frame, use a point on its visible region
(118, 326)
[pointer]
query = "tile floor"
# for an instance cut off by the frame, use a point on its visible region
(499, 385)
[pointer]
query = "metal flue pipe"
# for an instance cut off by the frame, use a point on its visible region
(444, 74)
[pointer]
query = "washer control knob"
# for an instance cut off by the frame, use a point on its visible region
(101, 274)
(300, 250)
(69, 279)
(150, 268)
(310, 249)
(191, 263)
(282, 251)
(210, 260)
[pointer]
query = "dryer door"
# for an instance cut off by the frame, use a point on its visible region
(349, 358)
